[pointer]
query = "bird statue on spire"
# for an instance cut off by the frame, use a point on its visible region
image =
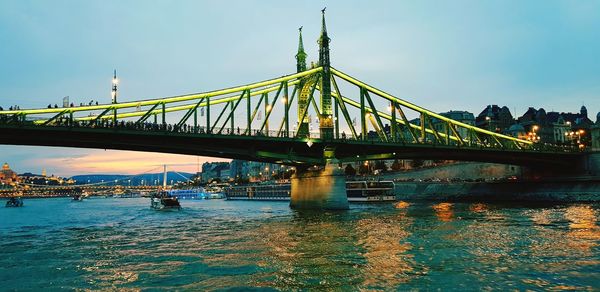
(323, 10)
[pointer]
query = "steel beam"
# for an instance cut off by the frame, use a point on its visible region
(342, 104)
(376, 115)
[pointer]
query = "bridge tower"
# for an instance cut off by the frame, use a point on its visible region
(303, 94)
(326, 118)
(319, 188)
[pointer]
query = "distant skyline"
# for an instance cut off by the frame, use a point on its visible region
(442, 55)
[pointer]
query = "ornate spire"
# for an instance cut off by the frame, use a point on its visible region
(324, 44)
(323, 39)
(326, 118)
(301, 55)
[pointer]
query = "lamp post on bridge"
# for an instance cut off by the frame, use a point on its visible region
(115, 82)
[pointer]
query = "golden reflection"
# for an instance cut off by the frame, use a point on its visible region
(386, 250)
(313, 245)
(401, 205)
(583, 229)
(324, 247)
(487, 240)
(541, 217)
(444, 211)
(478, 207)
(573, 246)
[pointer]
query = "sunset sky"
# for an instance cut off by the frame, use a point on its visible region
(443, 55)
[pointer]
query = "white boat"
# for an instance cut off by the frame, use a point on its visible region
(370, 191)
(188, 194)
(215, 191)
(357, 191)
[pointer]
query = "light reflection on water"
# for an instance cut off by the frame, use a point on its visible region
(123, 244)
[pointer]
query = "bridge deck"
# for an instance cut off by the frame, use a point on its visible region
(283, 150)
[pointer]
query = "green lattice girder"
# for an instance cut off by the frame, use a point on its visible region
(232, 96)
(264, 86)
(419, 109)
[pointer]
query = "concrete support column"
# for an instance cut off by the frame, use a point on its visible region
(320, 189)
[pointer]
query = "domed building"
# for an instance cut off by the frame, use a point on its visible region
(7, 176)
(517, 131)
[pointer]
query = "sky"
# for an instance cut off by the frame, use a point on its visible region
(442, 55)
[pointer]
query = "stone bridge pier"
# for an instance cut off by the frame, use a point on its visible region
(319, 189)
(322, 188)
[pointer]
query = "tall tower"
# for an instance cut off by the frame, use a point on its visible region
(115, 82)
(583, 111)
(303, 90)
(326, 118)
(301, 55)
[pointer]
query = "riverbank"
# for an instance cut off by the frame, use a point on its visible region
(561, 191)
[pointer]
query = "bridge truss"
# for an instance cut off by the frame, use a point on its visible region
(282, 110)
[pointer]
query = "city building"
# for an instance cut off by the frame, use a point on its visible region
(7, 176)
(253, 171)
(494, 118)
(216, 170)
(556, 128)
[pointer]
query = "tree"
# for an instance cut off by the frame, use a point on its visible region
(349, 170)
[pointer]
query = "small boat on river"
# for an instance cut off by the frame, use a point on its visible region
(14, 202)
(163, 200)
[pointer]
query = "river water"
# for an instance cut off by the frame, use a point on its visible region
(122, 244)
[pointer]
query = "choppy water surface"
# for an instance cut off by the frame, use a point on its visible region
(211, 245)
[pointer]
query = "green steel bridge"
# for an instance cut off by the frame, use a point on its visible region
(272, 121)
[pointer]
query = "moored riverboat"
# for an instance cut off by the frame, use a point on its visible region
(357, 191)
(188, 194)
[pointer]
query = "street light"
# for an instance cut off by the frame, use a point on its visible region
(115, 82)
(532, 136)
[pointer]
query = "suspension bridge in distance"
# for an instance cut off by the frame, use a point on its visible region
(272, 121)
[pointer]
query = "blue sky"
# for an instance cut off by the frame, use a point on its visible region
(442, 55)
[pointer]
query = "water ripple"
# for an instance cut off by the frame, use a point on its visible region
(121, 244)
